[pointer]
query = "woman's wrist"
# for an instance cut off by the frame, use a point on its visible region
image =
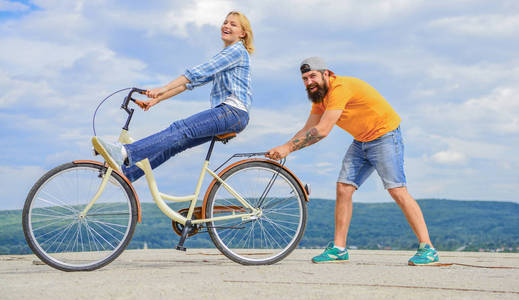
(179, 81)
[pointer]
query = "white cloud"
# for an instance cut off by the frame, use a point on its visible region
(449, 157)
(351, 13)
(489, 25)
(495, 114)
(16, 183)
(282, 122)
(474, 75)
(38, 72)
(200, 13)
(8, 6)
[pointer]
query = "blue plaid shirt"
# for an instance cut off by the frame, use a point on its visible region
(229, 71)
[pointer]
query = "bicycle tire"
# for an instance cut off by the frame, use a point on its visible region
(58, 235)
(273, 235)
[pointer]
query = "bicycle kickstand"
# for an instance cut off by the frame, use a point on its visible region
(185, 231)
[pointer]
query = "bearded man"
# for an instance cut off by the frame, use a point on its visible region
(359, 109)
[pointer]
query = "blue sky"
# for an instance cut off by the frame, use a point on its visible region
(449, 68)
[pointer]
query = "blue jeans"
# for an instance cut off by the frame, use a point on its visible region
(183, 134)
(384, 154)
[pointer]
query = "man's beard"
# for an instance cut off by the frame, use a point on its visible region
(319, 94)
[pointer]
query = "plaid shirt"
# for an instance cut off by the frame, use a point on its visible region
(229, 71)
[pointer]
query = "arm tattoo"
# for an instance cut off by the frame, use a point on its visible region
(311, 137)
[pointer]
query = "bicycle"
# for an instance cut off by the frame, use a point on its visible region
(81, 215)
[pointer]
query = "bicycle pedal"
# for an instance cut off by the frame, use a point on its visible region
(181, 248)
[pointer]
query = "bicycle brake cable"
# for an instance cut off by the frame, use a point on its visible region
(99, 105)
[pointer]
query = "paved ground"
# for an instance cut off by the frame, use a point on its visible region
(205, 274)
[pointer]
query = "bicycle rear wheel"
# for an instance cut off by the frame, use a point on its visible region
(60, 236)
(268, 237)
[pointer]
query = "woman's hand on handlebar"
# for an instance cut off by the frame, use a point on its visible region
(154, 93)
(145, 105)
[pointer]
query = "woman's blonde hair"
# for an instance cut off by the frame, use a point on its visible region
(248, 40)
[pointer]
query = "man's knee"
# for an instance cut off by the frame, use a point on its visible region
(345, 191)
(399, 194)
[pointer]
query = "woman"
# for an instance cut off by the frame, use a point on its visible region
(229, 70)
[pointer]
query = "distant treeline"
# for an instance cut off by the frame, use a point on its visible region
(453, 225)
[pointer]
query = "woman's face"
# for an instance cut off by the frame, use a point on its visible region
(231, 30)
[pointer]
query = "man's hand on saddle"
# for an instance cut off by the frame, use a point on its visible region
(279, 152)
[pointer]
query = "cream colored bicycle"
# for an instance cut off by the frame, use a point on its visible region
(81, 215)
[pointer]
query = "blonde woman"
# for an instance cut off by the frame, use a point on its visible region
(230, 97)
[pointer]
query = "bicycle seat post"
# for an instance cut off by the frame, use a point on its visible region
(188, 225)
(210, 151)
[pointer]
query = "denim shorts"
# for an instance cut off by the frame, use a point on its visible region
(384, 154)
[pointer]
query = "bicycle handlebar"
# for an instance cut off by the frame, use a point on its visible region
(129, 97)
(124, 106)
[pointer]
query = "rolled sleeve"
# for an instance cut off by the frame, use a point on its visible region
(194, 80)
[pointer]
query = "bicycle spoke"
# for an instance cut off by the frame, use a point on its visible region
(279, 224)
(109, 233)
(45, 226)
(63, 239)
(55, 204)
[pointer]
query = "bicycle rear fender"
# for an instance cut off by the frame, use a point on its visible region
(123, 177)
(248, 160)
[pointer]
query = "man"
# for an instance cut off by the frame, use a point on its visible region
(359, 109)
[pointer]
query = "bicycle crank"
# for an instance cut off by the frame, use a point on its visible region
(178, 227)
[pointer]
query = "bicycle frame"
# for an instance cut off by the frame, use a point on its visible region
(160, 198)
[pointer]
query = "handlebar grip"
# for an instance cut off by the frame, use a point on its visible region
(140, 91)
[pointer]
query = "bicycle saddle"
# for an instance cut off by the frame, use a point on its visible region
(224, 138)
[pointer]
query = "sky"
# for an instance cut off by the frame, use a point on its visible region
(449, 68)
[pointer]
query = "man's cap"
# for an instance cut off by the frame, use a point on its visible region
(313, 63)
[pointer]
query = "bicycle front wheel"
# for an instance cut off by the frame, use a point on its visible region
(58, 231)
(269, 236)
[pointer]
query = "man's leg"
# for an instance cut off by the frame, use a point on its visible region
(412, 212)
(355, 169)
(343, 212)
(387, 155)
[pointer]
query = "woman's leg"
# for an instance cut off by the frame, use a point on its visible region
(183, 134)
(133, 172)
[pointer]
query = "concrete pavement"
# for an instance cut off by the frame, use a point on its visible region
(206, 274)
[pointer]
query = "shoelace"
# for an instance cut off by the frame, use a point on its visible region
(421, 251)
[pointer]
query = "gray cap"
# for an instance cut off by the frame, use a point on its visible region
(311, 64)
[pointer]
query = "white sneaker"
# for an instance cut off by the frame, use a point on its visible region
(112, 153)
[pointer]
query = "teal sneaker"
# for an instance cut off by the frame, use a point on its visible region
(331, 254)
(424, 256)
(111, 153)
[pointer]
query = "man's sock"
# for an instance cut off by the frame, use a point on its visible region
(340, 248)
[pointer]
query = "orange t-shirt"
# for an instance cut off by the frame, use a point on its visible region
(366, 115)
